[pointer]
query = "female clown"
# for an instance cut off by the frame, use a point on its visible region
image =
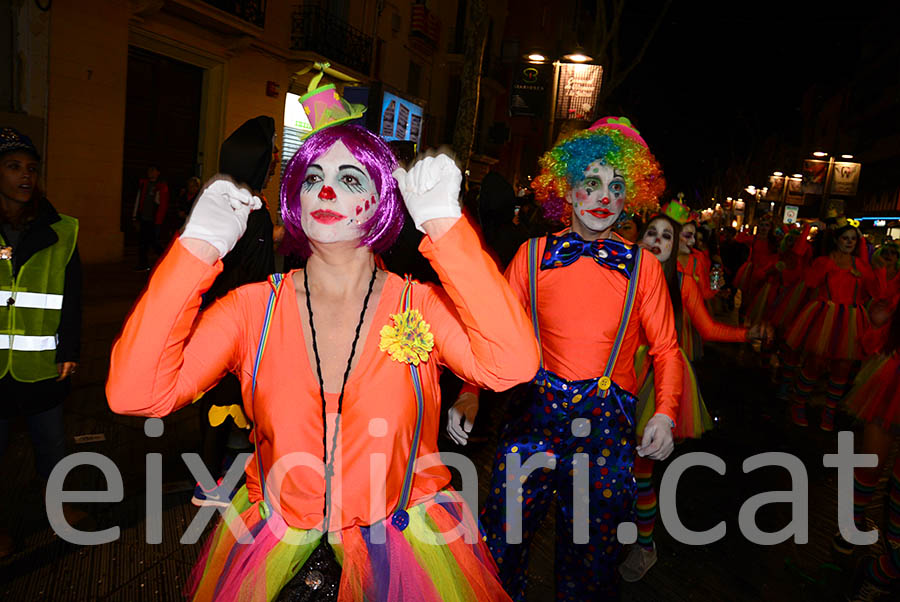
(829, 329)
(339, 366)
(693, 419)
(590, 293)
(875, 400)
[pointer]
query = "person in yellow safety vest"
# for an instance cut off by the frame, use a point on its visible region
(40, 308)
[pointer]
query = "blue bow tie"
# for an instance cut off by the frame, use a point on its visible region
(565, 249)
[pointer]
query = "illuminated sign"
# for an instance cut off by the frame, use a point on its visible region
(400, 119)
(880, 223)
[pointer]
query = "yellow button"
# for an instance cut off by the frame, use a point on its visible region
(604, 383)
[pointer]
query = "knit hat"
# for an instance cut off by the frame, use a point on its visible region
(12, 140)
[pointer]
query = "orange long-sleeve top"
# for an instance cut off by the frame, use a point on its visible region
(710, 330)
(169, 353)
(580, 307)
(840, 285)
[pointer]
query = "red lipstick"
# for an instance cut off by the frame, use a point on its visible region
(326, 216)
(600, 212)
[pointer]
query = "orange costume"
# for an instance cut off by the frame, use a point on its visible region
(169, 353)
(577, 334)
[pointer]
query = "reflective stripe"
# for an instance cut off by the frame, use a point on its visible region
(32, 300)
(21, 342)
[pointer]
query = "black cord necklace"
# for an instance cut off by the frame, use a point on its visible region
(329, 464)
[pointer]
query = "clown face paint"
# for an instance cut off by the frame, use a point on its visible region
(337, 196)
(659, 239)
(846, 242)
(688, 239)
(599, 198)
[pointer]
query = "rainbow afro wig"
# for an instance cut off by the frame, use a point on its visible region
(617, 143)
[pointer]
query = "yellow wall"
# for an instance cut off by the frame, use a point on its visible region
(86, 120)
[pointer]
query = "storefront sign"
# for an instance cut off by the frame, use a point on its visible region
(776, 188)
(528, 96)
(794, 191)
(577, 92)
(845, 178)
(814, 173)
(400, 119)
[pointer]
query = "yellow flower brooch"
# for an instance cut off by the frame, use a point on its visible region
(409, 340)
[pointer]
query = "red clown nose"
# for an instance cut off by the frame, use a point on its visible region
(327, 193)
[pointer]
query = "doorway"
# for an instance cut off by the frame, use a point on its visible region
(162, 128)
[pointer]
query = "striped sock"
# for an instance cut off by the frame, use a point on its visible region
(893, 501)
(834, 392)
(885, 569)
(864, 483)
(804, 386)
(646, 502)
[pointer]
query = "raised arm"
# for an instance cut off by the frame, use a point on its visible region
(167, 354)
(481, 330)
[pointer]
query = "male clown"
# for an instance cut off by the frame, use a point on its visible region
(589, 293)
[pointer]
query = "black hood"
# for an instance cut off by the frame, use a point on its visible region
(247, 152)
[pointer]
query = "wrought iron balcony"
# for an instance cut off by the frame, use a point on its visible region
(316, 30)
(251, 11)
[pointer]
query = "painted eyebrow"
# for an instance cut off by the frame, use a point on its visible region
(316, 165)
(617, 174)
(362, 173)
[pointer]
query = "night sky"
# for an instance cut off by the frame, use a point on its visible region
(721, 77)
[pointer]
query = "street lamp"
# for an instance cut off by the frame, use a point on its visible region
(576, 56)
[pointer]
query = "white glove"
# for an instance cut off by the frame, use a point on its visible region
(219, 216)
(657, 442)
(465, 408)
(430, 189)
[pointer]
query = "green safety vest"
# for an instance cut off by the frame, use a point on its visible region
(30, 307)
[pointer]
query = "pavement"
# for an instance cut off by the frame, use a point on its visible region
(736, 387)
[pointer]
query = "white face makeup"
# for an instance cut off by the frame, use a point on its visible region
(599, 198)
(337, 196)
(846, 242)
(659, 239)
(688, 239)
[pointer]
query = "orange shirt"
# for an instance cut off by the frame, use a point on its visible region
(167, 355)
(580, 308)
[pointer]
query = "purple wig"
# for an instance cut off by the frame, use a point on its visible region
(379, 231)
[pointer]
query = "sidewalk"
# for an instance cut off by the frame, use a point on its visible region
(45, 567)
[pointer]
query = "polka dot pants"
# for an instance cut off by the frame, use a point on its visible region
(569, 442)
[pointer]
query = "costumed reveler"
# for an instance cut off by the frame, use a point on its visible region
(660, 238)
(589, 294)
(339, 366)
(829, 329)
(40, 311)
(875, 400)
(752, 276)
(794, 257)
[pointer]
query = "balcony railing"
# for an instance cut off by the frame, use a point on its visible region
(251, 11)
(314, 29)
